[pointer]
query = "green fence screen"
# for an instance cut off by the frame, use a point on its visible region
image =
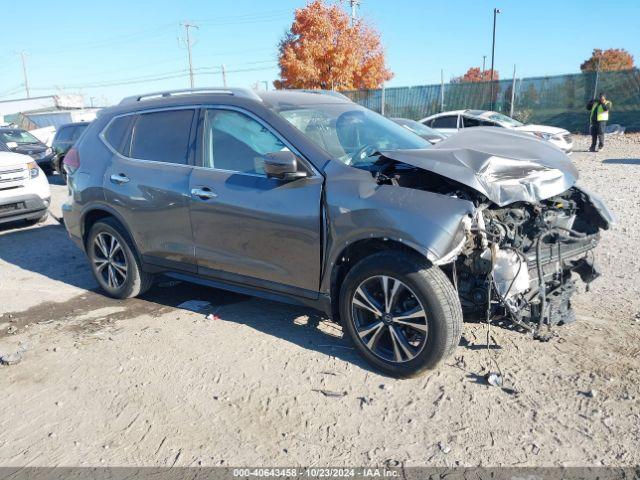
(557, 100)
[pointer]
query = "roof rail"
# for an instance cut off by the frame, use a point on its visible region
(317, 91)
(239, 92)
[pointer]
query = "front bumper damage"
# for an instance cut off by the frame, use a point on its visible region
(530, 281)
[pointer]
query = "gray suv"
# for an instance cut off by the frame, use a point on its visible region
(306, 197)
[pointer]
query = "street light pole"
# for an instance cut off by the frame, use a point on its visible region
(496, 11)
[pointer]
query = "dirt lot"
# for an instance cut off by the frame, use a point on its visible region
(145, 382)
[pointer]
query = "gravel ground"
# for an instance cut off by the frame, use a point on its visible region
(146, 382)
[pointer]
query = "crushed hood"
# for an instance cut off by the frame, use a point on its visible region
(503, 165)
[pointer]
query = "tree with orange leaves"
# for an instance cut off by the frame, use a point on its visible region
(608, 61)
(323, 50)
(475, 75)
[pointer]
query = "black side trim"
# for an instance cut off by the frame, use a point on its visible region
(322, 303)
(165, 264)
(257, 283)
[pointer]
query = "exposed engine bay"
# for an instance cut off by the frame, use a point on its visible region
(516, 261)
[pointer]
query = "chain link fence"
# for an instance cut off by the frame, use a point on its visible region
(557, 100)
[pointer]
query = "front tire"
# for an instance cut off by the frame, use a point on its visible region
(114, 263)
(402, 313)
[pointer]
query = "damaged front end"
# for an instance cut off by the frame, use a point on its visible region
(518, 261)
(531, 231)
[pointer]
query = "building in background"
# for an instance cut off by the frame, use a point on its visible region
(43, 115)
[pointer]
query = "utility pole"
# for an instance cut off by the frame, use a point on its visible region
(595, 85)
(187, 26)
(354, 5)
(23, 56)
(224, 76)
(513, 92)
(496, 11)
(441, 90)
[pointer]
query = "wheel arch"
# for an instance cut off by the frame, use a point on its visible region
(99, 212)
(355, 251)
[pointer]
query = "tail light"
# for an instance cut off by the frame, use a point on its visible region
(71, 160)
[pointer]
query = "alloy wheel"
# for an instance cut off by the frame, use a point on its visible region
(389, 318)
(109, 260)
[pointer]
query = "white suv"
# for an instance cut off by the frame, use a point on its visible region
(24, 189)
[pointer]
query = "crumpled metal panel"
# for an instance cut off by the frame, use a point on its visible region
(503, 165)
(358, 208)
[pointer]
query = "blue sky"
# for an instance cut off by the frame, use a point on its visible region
(88, 47)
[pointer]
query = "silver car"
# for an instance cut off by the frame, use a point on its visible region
(309, 198)
(449, 123)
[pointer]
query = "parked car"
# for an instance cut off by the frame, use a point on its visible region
(312, 199)
(429, 134)
(65, 137)
(452, 122)
(21, 141)
(24, 189)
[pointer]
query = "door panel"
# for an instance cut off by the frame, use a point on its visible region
(264, 231)
(155, 205)
(151, 192)
(258, 227)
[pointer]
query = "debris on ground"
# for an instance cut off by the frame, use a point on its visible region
(12, 329)
(330, 393)
(195, 305)
(364, 401)
(589, 393)
(493, 379)
(11, 358)
(211, 316)
(444, 448)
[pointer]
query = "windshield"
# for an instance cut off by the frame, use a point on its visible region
(17, 136)
(350, 133)
(498, 117)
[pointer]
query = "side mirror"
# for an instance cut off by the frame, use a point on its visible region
(282, 165)
(12, 145)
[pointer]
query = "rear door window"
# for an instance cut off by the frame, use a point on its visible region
(77, 131)
(447, 121)
(470, 122)
(163, 136)
(64, 134)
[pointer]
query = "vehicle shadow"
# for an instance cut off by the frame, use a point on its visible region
(622, 161)
(46, 250)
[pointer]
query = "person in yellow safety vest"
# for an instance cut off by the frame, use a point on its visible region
(598, 120)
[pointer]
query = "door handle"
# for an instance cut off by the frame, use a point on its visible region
(204, 193)
(119, 178)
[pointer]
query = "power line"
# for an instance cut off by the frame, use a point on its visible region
(155, 78)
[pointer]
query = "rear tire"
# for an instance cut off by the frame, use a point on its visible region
(114, 263)
(399, 339)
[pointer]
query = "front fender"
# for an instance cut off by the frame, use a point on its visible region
(358, 208)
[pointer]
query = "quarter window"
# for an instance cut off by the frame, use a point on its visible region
(163, 136)
(118, 135)
(236, 142)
